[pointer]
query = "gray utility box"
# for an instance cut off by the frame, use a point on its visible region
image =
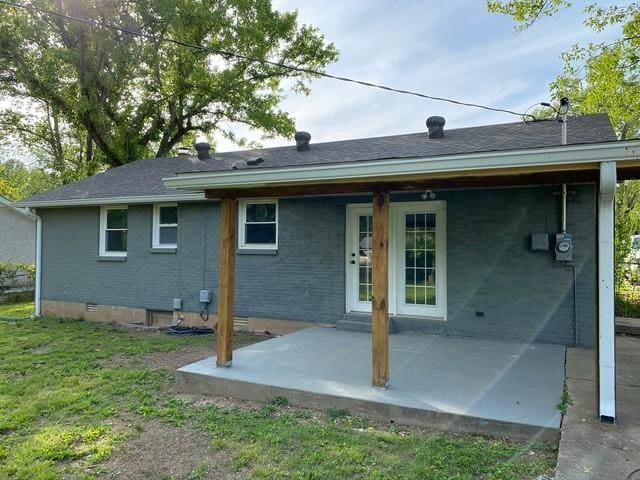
(205, 296)
(540, 242)
(564, 247)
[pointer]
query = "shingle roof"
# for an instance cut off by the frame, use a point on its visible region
(144, 177)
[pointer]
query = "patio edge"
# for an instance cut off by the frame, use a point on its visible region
(195, 383)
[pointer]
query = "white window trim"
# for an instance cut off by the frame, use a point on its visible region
(242, 216)
(103, 228)
(155, 243)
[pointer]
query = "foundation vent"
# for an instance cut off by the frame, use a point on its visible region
(159, 318)
(92, 307)
(241, 324)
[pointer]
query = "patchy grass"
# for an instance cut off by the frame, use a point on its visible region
(16, 310)
(65, 411)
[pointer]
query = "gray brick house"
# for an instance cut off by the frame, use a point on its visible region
(487, 231)
(17, 234)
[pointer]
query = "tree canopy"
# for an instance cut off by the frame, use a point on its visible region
(598, 77)
(85, 97)
(18, 181)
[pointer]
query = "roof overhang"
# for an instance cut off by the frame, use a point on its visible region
(568, 157)
(6, 203)
(132, 200)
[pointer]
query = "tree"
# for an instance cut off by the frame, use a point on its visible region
(111, 97)
(599, 77)
(18, 181)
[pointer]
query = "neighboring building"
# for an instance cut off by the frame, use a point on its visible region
(473, 219)
(17, 234)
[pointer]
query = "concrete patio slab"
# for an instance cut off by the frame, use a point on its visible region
(589, 449)
(458, 384)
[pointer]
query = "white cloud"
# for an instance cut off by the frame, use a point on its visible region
(448, 49)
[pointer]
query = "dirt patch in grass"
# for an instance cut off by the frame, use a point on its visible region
(159, 450)
(179, 357)
(160, 360)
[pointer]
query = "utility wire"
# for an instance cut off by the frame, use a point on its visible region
(226, 53)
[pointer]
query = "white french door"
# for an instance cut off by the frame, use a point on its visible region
(417, 259)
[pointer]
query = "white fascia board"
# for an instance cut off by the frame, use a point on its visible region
(539, 157)
(81, 202)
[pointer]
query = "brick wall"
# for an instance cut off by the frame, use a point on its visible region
(17, 237)
(523, 295)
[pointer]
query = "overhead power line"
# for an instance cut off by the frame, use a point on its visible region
(227, 53)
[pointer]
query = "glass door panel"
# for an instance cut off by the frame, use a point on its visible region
(364, 258)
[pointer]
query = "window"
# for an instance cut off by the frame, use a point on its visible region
(113, 231)
(258, 224)
(165, 226)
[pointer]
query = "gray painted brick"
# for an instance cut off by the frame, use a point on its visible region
(524, 295)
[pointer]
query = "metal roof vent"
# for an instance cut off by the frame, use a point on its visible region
(436, 126)
(204, 150)
(302, 141)
(184, 151)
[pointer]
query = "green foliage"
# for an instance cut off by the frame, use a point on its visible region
(337, 413)
(628, 301)
(60, 400)
(22, 181)
(11, 275)
(13, 309)
(565, 401)
(627, 223)
(526, 12)
(600, 77)
(95, 96)
(279, 401)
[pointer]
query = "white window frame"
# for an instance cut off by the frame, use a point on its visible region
(242, 217)
(155, 243)
(103, 231)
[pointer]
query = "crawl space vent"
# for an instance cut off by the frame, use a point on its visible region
(92, 307)
(159, 318)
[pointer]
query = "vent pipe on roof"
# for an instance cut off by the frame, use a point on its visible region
(435, 125)
(302, 141)
(204, 150)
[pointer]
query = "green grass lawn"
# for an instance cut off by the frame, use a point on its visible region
(16, 310)
(67, 407)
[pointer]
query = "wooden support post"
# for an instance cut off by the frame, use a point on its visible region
(226, 281)
(380, 290)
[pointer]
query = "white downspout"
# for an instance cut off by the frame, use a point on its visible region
(606, 315)
(38, 287)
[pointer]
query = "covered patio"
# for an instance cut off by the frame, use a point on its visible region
(463, 384)
(459, 384)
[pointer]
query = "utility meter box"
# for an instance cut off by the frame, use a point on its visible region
(540, 242)
(205, 296)
(564, 247)
(177, 304)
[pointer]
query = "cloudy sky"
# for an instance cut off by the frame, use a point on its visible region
(444, 48)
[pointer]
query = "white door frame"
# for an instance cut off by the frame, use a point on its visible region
(396, 259)
(399, 210)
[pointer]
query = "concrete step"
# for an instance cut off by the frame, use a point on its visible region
(360, 323)
(628, 326)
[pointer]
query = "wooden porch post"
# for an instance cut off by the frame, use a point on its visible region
(380, 290)
(226, 281)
